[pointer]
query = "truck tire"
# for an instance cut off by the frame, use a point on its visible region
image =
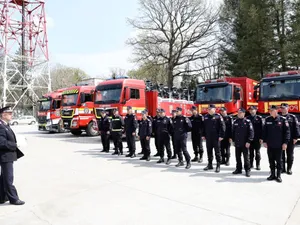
(76, 132)
(90, 130)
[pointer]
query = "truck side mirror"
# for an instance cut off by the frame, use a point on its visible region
(236, 95)
(255, 94)
(82, 98)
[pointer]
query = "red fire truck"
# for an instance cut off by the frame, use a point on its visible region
(77, 110)
(122, 92)
(229, 92)
(49, 112)
(277, 88)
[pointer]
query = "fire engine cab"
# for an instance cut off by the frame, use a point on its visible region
(230, 92)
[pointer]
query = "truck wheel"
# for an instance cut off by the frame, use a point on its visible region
(76, 132)
(90, 131)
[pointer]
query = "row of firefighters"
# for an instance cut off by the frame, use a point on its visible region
(278, 133)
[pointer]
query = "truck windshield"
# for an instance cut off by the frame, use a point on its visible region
(280, 89)
(44, 105)
(69, 100)
(106, 94)
(214, 94)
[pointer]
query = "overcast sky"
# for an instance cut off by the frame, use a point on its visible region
(91, 34)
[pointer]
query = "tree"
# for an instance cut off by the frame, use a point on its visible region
(117, 72)
(63, 76)
(173, 33)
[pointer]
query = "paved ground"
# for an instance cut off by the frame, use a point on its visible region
(65, 180)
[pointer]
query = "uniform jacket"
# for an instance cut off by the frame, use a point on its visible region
(164, 125)
(242, 132)
(214, 126)
(130, 124)
(294, 126)
(228, 126)
(276, 132)
(145, 128)
(104, 124)
(258, 125)
(182, 125)
(154, 121)
(117, 124)
(197, 124)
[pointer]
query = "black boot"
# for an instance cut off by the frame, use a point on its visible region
(174, 157)
(289, 169)
(223, 161)
(237, 172)
(133, 155)
(144, 158)
(128, 155)
(272, 176)
(209, 167)
(257, 165)
(200, 159)
(195, 159)
(278, 178)
(161, 160)
(248, 173)
(148, 158)
(157, 154)
(120, 152)
(140, 153)
(115, 153)
(168, 161)
(227, 161)
(251, 164)
(218, 168)
(180, 163)
(188, 165)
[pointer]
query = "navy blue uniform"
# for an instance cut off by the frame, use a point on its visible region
(214, 128)
(242, 133)
(104, 127)
(145, 130)
(130, 128)
(182, 126)
(164, 128)
(276, 133)
(154, 121)
(197, 130)
(225, 144)
(255, 145)
(117, 126)
(294, 129)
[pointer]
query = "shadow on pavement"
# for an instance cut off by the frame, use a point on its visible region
(196, 170)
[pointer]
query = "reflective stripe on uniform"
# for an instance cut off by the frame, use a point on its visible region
(116, 130)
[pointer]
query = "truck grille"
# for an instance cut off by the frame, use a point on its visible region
(42, 119)
(67, 123)
(67, 112)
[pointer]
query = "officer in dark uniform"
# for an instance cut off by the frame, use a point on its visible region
(172, 134)
(255, 145)
(147, 114)
(154, 134)
(197, 130)
(294, 129)
(164, 128)
(214, 133)
(225, 143)
(242, 136)
(145, 131)
(104, 128)
(182, 125)
(130, 131)
(150, 118)
(117, 127)
(276, 136)
(9, 153)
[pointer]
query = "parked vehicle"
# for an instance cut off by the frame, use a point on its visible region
(29, 120)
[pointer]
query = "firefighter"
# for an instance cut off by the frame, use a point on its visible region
(242, 136)
(225, 143)
(172, 134)
(255, 145)
(213, 133)
(182, 125)
(197, 128)
(276, 136)
(150, 118)
(117, 127)
(104, 128)
(294, 132)
(130, 131)
(164, 128)
(154, 133)
(145, 131)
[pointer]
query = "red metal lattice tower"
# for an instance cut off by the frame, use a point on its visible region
(23, 51)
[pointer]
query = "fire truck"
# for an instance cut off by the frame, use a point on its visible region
(121, 92)
(49, 112)
(77, 110)
(230, 92)
(277, 88)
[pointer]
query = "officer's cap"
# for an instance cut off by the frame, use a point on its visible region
(284, 105)
(162, 111)
(158, 110)
(242, 110)
(7, 109)
(143, 112)
(223, 109)
(252, 107)
(129, 107)
(211, 106)
(174, 111)
(273, 107)
(179, 109)
(193, 108)
(146, 110)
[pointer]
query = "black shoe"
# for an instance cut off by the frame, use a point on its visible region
(115, 153)
(247, 173)
(161, 160)
(283, 170)
(141, 153)
(195, 159)
(128, 155)
(133, 156)
(188, 165)
(209, 167)
(223, 162)
(168, 161)
(106, 151)
(156, 155)
(174, 157)
(271, 177)
(18, 202)
(103, 151)
(227, 162)
(148, 159)
(2, 202)
(278, 179)
(258, 167)
(251, 166)
(143, 158)
(237, 172)
(200, 160)
(289, 172)
(180, 164)
(218, 168)
(120, 153)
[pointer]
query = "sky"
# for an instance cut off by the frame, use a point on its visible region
(91, 35)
